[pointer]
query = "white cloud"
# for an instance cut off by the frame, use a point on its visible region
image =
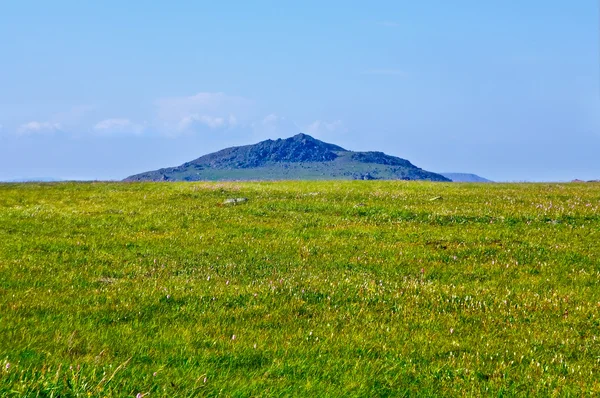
(275, 126)
(271, 119)
(69, 121)
(319, 127)
(210, 113)
(212, 110)
(39, 127)
(118, 126)
(212, 122)
(385, 72)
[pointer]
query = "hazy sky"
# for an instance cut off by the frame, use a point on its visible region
(101, 90)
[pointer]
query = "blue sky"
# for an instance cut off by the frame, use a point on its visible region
(102, 90)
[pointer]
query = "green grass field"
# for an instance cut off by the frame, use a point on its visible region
(308, 289)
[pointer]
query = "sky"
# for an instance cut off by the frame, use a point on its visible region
(102, 90)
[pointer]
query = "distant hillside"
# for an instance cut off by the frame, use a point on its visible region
(464, 177)
(34, 179)
(300, 157)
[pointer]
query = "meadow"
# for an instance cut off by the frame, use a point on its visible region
(332, 288)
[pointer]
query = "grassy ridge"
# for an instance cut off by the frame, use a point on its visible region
(309, 288)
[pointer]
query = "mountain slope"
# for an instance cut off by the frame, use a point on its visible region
(33, 179)
(464, 177)
(300, 157)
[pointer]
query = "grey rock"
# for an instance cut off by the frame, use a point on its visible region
(235, 201)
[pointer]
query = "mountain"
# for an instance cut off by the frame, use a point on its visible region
(464, 177)
(300, 157)
(34, 179)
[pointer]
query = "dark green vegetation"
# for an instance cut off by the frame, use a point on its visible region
(361, 288)
(300, 157)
